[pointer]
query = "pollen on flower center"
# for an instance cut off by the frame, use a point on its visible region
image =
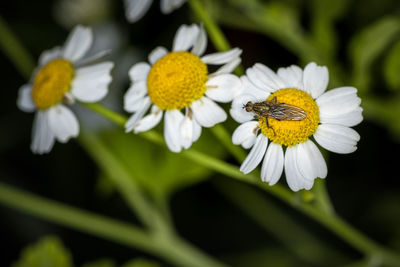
(176, 80)
(292, 132)
(51, 82)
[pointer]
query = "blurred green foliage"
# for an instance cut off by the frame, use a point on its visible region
(47, 252)
(154, 168)
(50, 252)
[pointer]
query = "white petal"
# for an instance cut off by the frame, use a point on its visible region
(167, 6)
(141, 110)
(186, 130)
(222, 57)
(310, 161)
(294, 178)
(315, 79)
(260, 80)
(292, 76)
(207, 112)
(42, 135)
(150, 121)
(318, 159)
(25, 100)
(49, 55)
(274, 81)
(222, 88)
(93, 59)
(139, 72)
(190, 130)
(201, 42)
(346, 97)
(134, 96)
(272, 166)
(135, 9)
(340, 106)
(63, 123)
(256, 154)
(247, 144)
(237, 111)
(196, 130)
(351, 118)
(337, 138)
(245, 133)
(157, 53)
(78, 43)
(172, 134)
(228, 67)
(251, 89)
(185, 37)
(91, 83)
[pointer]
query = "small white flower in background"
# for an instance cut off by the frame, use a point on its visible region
(179, 81)
(307, 111)
(63, 76)
(135, 9)
(69, 13)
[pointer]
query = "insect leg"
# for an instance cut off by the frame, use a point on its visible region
(269, 127)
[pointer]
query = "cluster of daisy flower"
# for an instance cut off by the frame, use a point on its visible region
(282, 114)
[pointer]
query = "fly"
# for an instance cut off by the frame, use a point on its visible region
(273, 109)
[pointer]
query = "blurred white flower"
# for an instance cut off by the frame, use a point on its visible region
(63, 76)
(69, 13)
(135, 9)
(179, 80)
(299, 109)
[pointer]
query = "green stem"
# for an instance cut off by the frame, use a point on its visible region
(216, 35)
(12, 48)
(310, 248)
(171, 248)
(113, 116)
(125, 184)
(322, 200)
(332, 222)
(226, 140)
(84, 221)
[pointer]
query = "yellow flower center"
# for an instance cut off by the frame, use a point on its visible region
(176, 80)
(292, 132)
(51, 82)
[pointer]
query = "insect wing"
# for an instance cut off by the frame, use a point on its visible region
(285, 112)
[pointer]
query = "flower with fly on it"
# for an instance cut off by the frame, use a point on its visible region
(299, 109)
(135, 9)
(63, 76)
(179, 81)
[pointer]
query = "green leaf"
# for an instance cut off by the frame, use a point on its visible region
(392, 67)
(368, 45)
(104, 185)
(141, 263)
(154, 167)
(324, 14)
(47, 252)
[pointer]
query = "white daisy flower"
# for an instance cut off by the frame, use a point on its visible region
(179, 81)
(298, 109)
(135, 9)
(62, 77)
